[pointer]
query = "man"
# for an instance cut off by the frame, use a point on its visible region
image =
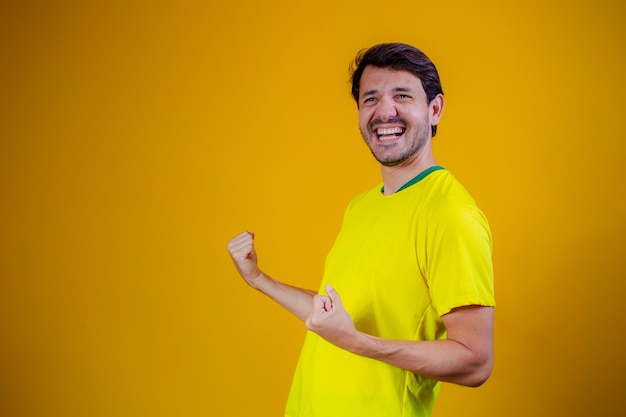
(412, 263)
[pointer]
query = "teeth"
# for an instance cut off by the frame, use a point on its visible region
(390, 131)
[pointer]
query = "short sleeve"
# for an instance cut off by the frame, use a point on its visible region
(459, 258)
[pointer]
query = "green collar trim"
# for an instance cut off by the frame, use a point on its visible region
(416, 179)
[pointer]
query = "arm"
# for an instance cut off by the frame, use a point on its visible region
(296, 300)
(465, 357)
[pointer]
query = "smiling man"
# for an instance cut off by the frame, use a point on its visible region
(395, 116)
(412, 263)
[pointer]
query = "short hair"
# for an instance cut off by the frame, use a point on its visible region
(397, 56)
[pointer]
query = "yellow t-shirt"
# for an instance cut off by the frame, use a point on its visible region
(400, 262)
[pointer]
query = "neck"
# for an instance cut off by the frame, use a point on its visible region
(396, 176)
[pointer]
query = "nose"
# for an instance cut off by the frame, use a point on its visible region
(386, 109)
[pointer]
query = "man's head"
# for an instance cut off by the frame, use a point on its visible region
(399, 57)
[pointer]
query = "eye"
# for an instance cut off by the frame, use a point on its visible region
(369, 100)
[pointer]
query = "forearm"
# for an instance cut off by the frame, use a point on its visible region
(443, 360)
(296, 300)
(464, 358)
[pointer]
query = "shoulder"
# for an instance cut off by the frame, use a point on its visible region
(450, 204)
(364, 197)
(443, 187)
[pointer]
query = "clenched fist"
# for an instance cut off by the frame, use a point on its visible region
(330, 320)
(241, 249)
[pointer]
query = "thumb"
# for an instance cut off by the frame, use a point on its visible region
(334, 296)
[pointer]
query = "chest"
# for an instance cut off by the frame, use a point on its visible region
(375, 266)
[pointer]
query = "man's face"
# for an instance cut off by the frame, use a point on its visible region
(394, 116)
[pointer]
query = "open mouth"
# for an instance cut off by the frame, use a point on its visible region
(389, 133)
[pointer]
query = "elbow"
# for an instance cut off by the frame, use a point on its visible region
(479, 375)
(478, 379)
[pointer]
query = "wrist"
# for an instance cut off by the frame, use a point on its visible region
(357, 343)
(258, 280)
(363, 344)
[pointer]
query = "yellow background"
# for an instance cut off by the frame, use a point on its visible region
(138, 137)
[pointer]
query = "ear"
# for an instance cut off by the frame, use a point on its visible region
(435, 109)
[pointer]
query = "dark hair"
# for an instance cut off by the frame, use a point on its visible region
(397, 56)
